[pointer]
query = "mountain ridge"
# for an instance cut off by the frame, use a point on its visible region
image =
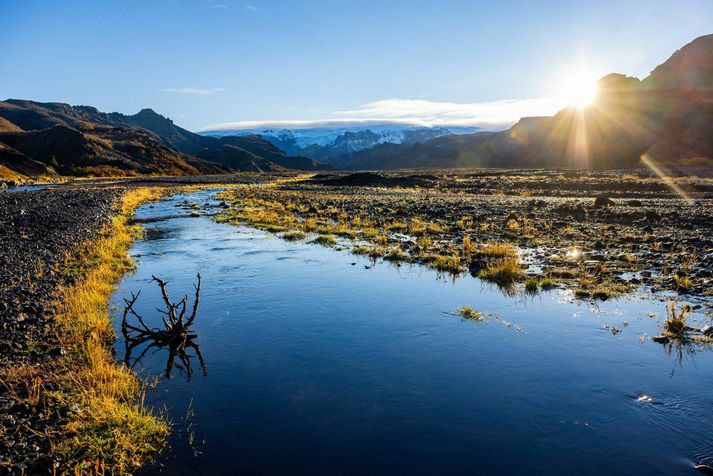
(81, 140)
(667, 117)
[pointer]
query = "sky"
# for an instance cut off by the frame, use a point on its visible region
(229, 63)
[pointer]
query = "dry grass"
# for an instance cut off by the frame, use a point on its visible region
(325, 240)
(503, 272)
(110, 427)
(467, 312)
(675, 324)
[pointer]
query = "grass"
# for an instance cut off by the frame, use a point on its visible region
(449, 263)
(395, 254)
(592, 286)
(467, 312)
(468, 248)
(675, 324)
(497, 250)
(294, 235)
(683, 283)
(532, 285)
(548, 283)
(111, 428)
(325, 240)
(503, 272)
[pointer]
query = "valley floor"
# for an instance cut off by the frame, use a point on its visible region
(599, 234)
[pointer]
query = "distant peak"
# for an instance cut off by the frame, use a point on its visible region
(147, 111)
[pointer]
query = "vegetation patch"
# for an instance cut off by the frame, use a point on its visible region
(503, 272)
(325, 240)
(294, 235)
(467, 312)
(108, 426)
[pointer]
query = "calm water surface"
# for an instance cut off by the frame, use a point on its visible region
(319, 363)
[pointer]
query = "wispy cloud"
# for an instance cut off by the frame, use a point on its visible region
(195, 91)
(218, 5)
(433, 113)
(251, 8)
(488, 115)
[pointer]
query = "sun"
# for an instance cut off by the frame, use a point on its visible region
(577, 89)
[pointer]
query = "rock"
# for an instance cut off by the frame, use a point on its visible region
(661, 339)
(603, 201)
(652, 216)
(704, 468)
(707, 331)
(580, 214)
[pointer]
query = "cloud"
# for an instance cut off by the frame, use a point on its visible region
(195, 91)
(491, 115)
(298, 124)
(218, 5)
(432, 113)
(251, 8)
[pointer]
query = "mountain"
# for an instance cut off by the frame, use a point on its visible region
(335, 145)
(666, 118)
(56, 138)
(204, 146)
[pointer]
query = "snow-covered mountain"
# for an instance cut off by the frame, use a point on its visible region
(335, 144)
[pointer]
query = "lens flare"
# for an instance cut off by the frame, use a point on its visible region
(577, 89)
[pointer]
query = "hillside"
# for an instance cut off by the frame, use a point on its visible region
(668, 117)
(39, 139)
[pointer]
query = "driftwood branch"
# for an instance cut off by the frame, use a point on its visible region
(175, 335)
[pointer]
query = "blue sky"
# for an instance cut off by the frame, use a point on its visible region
(206, 62)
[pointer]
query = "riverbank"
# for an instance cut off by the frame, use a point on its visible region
(66, 404)
(599, 234)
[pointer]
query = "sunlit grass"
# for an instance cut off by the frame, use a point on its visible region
(111, 425)
(503, 272)
(467, 312)
(325, 240)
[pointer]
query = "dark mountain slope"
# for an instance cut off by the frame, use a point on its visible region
(195, 144)
(14, 164)
(240, 159)
(115, 151)
(81, 140)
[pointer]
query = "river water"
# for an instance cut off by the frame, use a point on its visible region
(321, 362)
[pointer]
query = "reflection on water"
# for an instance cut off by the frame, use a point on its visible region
(175, 336)
(322, 366)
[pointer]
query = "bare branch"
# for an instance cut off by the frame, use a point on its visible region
(196, 302)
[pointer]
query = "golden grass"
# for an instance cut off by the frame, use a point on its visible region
(294, 235)
(467, 312)
(503, 272)
(325, 240)
(7, 174)
(683, 283)
(497, 250)
(449, 263)
(110, 427)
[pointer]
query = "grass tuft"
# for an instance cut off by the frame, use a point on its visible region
(532, 285)
(467, 312)
(503, 272)
(294, 235)
(325, 240)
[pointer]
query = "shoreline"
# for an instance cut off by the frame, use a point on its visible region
(64, 396)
